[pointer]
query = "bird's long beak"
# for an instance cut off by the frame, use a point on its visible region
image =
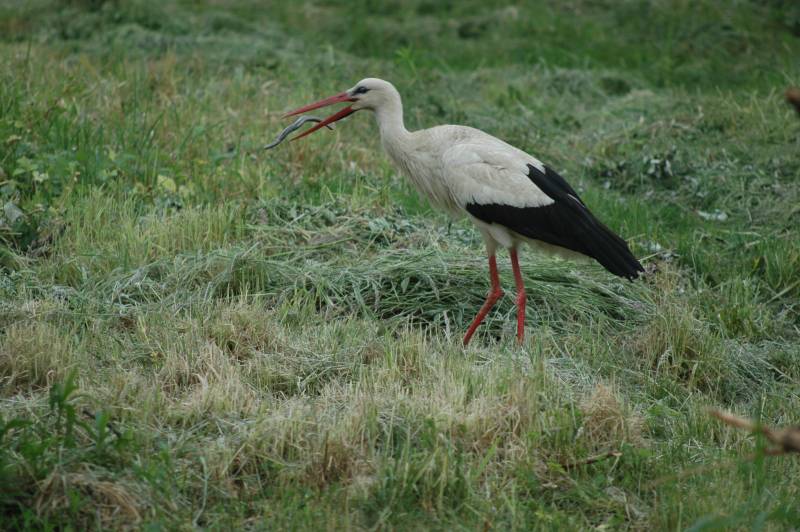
(346, 111)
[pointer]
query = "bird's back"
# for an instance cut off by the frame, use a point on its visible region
(427, 157)
(465, 170)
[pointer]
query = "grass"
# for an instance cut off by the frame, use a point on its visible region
(198, 334)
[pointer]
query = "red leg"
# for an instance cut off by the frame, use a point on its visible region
(495, 293)
(520, 295)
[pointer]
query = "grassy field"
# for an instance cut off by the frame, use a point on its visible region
(196, 333)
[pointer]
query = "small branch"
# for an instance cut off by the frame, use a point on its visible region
(793, 97)
(787, 440)
(734, 421)
(591, 459)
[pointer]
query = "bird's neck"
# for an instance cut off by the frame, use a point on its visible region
(390, 123)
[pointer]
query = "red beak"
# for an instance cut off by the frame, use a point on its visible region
(341, 97)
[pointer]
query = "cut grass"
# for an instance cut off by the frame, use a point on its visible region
(199, 334)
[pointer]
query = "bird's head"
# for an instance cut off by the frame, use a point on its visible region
(369, 93)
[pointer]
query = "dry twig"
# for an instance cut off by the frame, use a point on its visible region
(793, 97)
(787, 440)
(592, 459)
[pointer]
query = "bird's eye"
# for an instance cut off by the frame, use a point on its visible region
(360, 90)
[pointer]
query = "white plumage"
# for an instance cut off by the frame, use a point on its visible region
(511, 196)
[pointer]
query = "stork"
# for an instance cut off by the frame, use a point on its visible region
(510, 196)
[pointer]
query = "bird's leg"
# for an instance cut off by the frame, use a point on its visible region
(520, 300)
(495, 293)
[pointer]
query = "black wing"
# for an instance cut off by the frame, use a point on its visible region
(566, 223)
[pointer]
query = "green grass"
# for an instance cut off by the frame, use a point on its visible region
(196, 333)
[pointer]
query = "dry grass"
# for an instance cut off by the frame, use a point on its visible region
(34, 355)
(109, 504)
(273, 339)
(608, 424)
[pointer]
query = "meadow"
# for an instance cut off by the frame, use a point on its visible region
(197, 333)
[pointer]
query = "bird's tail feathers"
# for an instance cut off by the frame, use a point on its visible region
(613, 253)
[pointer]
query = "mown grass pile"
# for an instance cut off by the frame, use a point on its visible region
(199, 333)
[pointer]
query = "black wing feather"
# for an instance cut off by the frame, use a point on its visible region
(567, 223)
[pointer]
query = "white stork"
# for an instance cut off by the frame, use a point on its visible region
(510, 196)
